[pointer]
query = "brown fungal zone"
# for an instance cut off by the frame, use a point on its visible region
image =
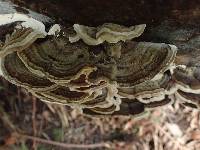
(188, 84)
(99, 70)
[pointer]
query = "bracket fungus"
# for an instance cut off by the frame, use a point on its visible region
(99, 70)
(108, 32)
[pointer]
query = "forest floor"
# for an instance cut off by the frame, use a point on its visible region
(27, 123)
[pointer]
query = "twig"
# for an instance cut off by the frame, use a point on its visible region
(5, 119)
(41, 124)
(34, 122)
(64, 145)
(61, 111)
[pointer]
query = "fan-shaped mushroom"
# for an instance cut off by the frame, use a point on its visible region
(151, 90)
(187, 78)
(191, 98)
(109, 32)
(16, 72)
(19, 40)
(106, 73)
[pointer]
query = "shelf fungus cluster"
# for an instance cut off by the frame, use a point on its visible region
(99, 70)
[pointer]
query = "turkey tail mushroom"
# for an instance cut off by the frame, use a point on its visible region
(105, 73)
(16, 72)
(149, 91)
(188, 98)
(188, 78)
(134, 108)
(108, 32)
(58, 60)
(19, 40)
